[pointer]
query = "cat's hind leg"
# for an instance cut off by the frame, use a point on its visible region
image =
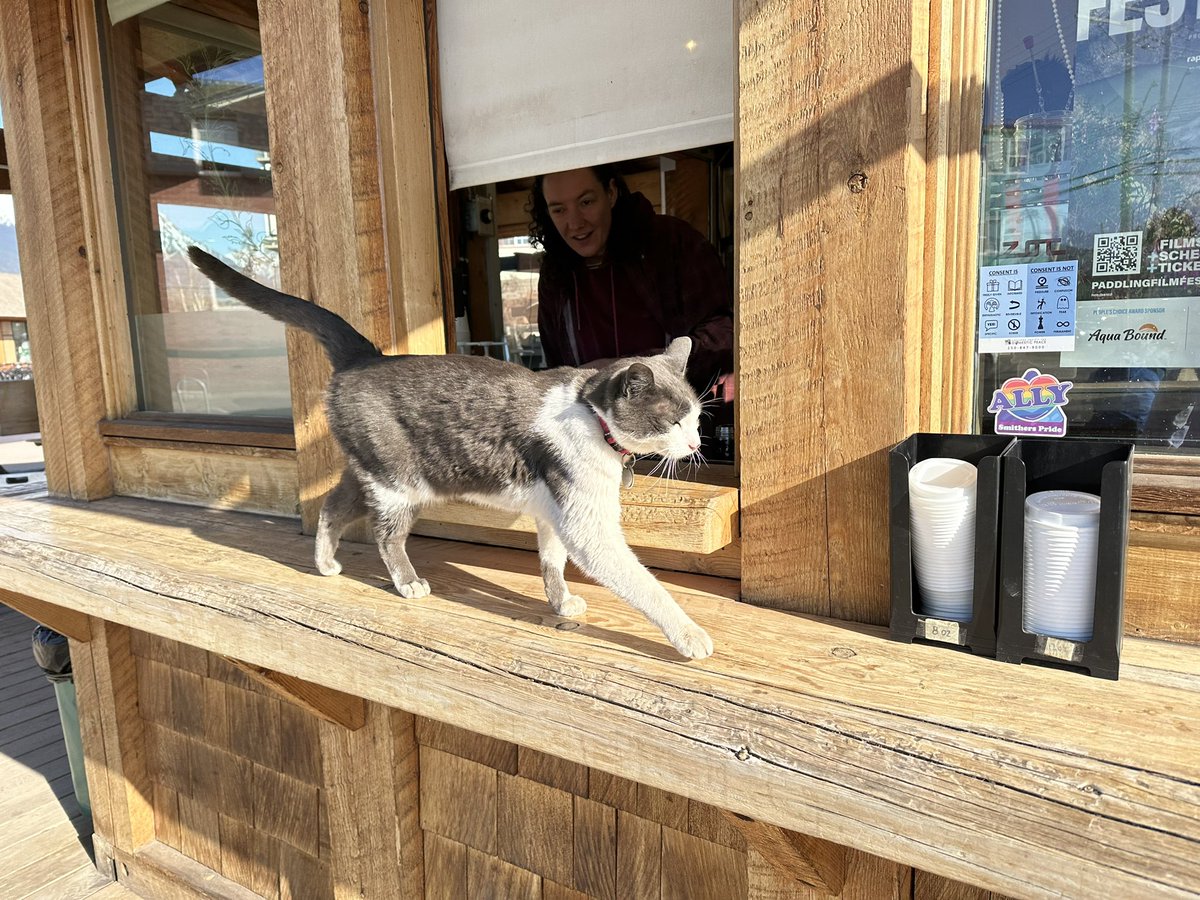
(553, 557)
(393, 522)
(343, 505)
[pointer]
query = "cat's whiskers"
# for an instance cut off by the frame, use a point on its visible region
(662, 460)
(666, 467)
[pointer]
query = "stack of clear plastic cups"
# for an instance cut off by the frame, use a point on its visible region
(941, 496)
(1062, 537)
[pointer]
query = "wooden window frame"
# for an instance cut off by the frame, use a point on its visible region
(233, 431)
(135, 423)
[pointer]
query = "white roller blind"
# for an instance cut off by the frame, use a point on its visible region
(543, 86)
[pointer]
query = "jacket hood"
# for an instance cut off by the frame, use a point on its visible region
(633, 226)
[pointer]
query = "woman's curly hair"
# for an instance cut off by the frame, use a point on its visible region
(542, 231)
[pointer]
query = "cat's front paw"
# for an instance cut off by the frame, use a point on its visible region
(329, 567)
(692, 641)
(569, 606)
(414, 590)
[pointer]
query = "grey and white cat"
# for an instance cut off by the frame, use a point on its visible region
(418, 430)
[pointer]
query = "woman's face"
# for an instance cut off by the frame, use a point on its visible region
(581, 209)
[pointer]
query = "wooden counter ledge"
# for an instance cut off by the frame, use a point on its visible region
(1028, 781)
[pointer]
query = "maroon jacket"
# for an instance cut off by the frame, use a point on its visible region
(660, 279)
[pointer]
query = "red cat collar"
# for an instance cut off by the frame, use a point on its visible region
(612, 442)
(627, 456)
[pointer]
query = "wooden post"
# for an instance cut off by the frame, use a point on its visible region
(830, 208)
(330, 197)
(316, 68)
(371, 789)
(946, 320)
(401, 81)
(62, 195)
(780, 413)
(113, 739)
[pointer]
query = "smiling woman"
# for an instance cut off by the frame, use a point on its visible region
(634, 253)
(620, 280)
(580, 204)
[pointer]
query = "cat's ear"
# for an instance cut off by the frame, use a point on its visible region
(636, 379)
(678, 352)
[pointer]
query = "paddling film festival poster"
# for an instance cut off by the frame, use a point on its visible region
(1092, 184)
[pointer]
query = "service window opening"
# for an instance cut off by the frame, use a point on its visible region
(501, 295)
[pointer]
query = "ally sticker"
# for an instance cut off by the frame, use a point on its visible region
(1031, 405)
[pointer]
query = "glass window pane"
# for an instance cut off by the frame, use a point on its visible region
(1092, 156)
(194, 167)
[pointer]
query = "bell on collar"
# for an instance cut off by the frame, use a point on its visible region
(627, 462)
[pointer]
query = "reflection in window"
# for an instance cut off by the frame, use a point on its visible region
(20, 336)
(519, 293)
(194, 167)
(1092, 155)
(14, 333)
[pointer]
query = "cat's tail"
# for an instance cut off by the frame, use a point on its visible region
(342, 343)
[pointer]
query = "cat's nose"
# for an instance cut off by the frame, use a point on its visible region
(693, 447)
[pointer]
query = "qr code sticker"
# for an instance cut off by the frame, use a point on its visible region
(1118, 253)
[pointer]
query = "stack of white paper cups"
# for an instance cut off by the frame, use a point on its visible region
(941, 495)
(1062, 536)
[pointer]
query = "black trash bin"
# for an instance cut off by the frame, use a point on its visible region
(53, 655)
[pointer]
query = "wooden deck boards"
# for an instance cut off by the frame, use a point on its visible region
(43, 831)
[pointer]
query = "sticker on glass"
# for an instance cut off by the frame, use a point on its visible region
(1031, 405)
(1028, 307)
